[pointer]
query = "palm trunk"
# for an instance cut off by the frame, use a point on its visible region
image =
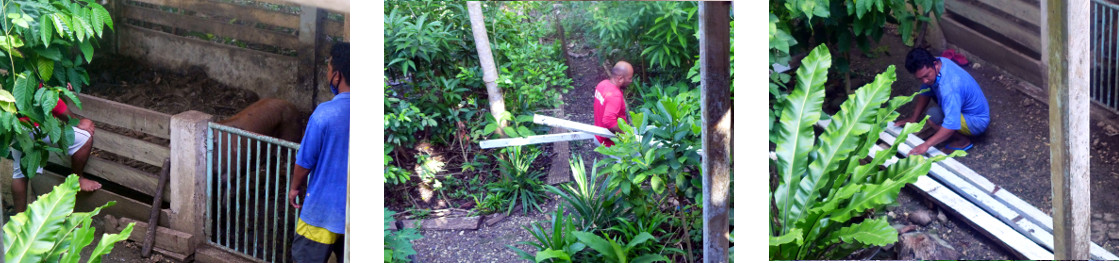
(489, 71)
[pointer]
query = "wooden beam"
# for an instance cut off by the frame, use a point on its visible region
(1068, 23)
(1021, 65)
(121, 174)
(715, 104)
(538, 139)
(165, 238)
(570, 125)
(1034, 224)
(239, 32)
(231, 10)
(310, 30)
(136, 149)
(1026, 36)
(87, 201)
(125, 116)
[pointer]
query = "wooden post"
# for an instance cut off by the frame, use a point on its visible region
(1067, 23)
(485, 56)
(188, 174)
(714, 70)
(310, 28)
(346, 29)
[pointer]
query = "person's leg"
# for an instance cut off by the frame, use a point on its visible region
(339, 248)
(83, 136)
(19, 184)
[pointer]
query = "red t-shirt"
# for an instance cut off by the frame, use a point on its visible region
(609, 105)
(59, 110)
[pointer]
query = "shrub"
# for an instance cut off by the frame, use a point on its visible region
(554, 242)
(595, 205)
(519, 182)
(823, 194)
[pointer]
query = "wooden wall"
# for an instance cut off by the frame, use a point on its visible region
(1006, 33)
(284, 50)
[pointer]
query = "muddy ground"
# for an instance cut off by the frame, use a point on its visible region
(1013, 154)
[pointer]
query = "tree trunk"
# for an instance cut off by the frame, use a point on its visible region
(489, 71)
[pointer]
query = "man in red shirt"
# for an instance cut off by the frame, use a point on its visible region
(609, 101)
(79, 154)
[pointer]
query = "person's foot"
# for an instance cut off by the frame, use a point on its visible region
(88, 185)
(961, 144)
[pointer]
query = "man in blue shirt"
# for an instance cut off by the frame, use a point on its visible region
(324, 155)
(963, 110)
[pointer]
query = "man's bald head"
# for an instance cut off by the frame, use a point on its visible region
(622, 74)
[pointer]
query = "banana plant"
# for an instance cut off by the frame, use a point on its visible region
(824, 193)
(50, 231)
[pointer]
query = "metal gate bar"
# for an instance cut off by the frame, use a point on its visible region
(1105, 54)
(237, 219)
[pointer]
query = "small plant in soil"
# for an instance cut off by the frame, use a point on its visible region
(398, 244)
(819, 206)
(593, 204)
(519, 182)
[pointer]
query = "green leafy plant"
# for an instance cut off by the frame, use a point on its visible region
(394, 174)
(519, 182)
(824, 192)
(612, 250)
(43, 47)
(670, 40)
(398, 244)
(554, 242)
(652, 223)
(595, 205)
(428, 169)
(50, 230)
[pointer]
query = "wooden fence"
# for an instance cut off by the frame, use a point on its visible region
(1006, 33)
(275, 48)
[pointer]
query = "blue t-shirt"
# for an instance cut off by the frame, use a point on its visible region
(325, 151)
(958, 94)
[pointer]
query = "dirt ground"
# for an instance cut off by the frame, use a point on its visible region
(1013, 154)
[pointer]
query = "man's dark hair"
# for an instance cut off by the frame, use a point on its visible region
(918, 58)
(340, 59)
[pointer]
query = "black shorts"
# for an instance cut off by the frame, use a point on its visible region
(304, 250)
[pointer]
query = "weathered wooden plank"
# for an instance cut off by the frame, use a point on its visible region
(333, 5)
(1021, 65)
(165, 238)
(570, 125)
(124, 116)
(118, 173)
(240, 12)
(87, 201)
(960, 176)
(1028, 37)
(715, 105)
(241, 33)
(1026, 11)
(1067, 49)
(538, 139)
(129, 147)
(980, 220)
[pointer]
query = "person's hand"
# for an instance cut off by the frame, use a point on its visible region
(296, 193)
(920, 149)
(901, 123)
(71, 88)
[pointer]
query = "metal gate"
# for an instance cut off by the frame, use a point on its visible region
(1105, 54)
(246, 198)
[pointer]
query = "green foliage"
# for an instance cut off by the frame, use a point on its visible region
(554, 242)
(50, 231)
(839, 22)
(663, 34)
(44, 44)
(594, 205)
(394, 174)
(398, 244)
(522, 126)
(822, 186)
(519, 182)
(613, 250)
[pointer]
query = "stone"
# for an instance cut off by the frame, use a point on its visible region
(1113, 234)
(940, 216)
(1097, 215)
(920, 217)
(921, 246)
(1110, 217)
